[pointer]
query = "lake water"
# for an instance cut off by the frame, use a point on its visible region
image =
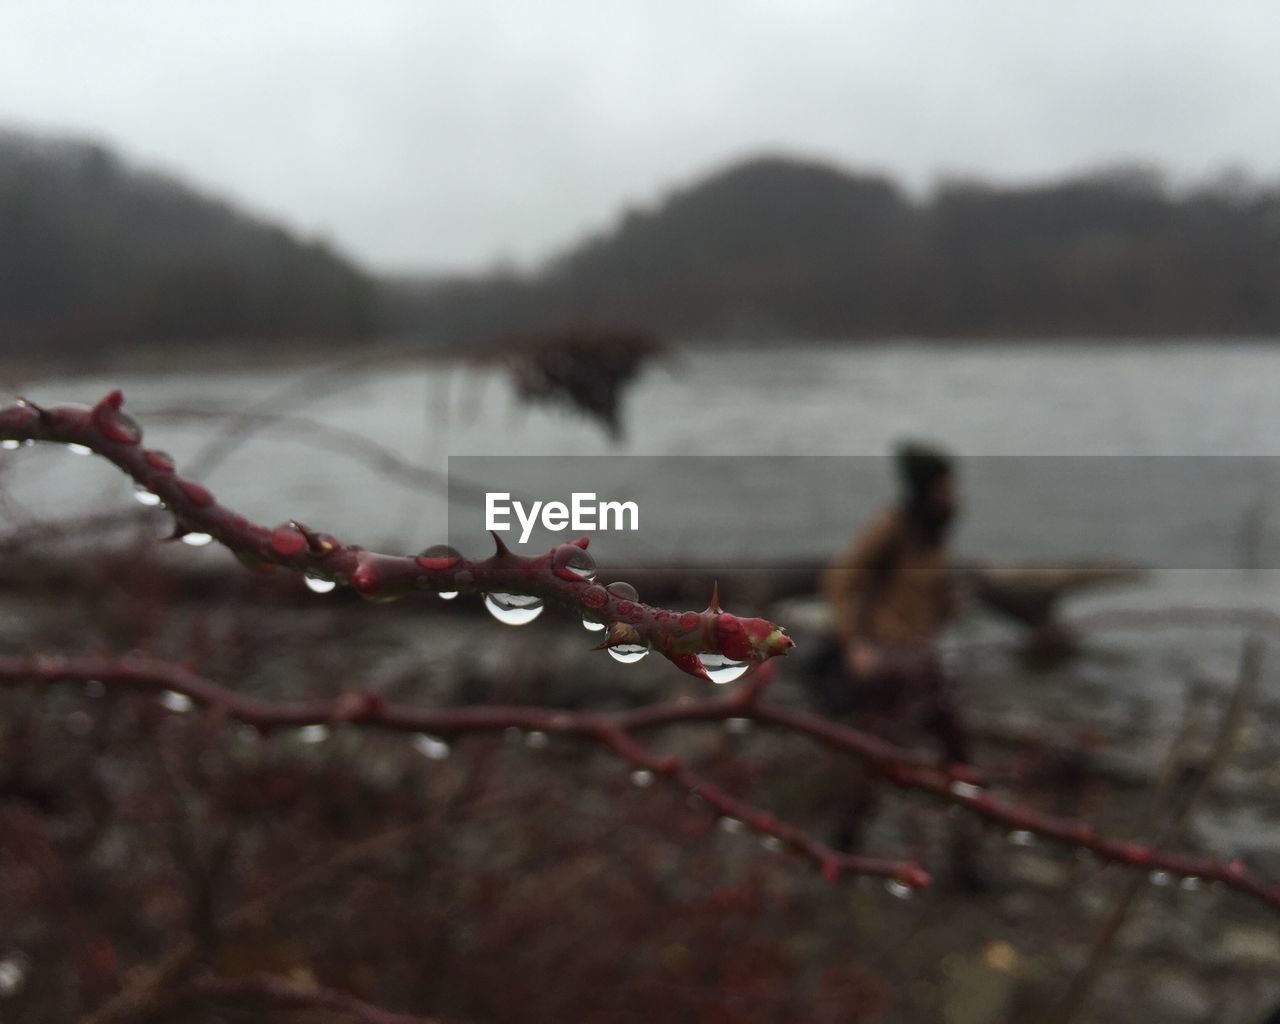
(799, 431)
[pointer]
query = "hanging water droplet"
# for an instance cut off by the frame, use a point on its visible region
(79, 449)
(313, 733)
(642, 778)
(317, 585)
(197, 540)
(1190, 883)
(9, 444)
(592, 625)
(721, 669)
(965, 789)
(13, 975)
(1021, 837)
(175, 701)
(535, 740)
(447, 595)
(145, 497)
(628, 654)
(431, 747)
(1160, 878)
(771, 843)
(898, 890)
(623, 590)
(513, 609)
(571, 562)
(737, 726)
(730, 825)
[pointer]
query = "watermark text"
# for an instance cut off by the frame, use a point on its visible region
(582, 512)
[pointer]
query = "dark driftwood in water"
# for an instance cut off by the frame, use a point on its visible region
(585, 369)
(1031, 596)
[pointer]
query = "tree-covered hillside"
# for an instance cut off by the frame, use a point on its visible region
(94, 252)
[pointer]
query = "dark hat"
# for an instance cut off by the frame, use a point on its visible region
(920, 466)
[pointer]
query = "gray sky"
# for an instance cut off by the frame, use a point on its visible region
(433, 135)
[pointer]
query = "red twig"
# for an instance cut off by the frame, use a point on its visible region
(617, 731)
(288, 994)
(614, 731)
(563, 575)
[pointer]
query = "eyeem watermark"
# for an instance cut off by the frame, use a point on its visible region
(583, 512)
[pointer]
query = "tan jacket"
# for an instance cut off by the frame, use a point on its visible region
(891, 586)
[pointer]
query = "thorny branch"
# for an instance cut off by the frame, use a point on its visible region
(617, 731)
(694, 641)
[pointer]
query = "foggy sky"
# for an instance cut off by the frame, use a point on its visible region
(420, 135)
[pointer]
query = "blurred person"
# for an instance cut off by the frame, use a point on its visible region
(891, 594)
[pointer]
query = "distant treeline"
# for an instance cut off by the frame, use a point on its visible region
(776, 247)
(95, 253)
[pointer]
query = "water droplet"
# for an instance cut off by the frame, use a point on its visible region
(730, 825)
(144, 497)
(431, 747)
(721, 669)
(594, 596)
(628, 654)
(1160, 878)
(771, 843)
(447, 595)
(737, 726)
(513, 609)
(535, 740)
(571, 562)
(313, 733)
(1190, 883)
(642, 778)
(79, 449)
(287, 540)
(898, 890)
(197, 540)
(94, 688)
(623, 590)
(10, 445)
(1021, 837)
(175, 701)
(592, 625)
(317, 585)
(439, 557)
(13, 974)
(965, 789)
